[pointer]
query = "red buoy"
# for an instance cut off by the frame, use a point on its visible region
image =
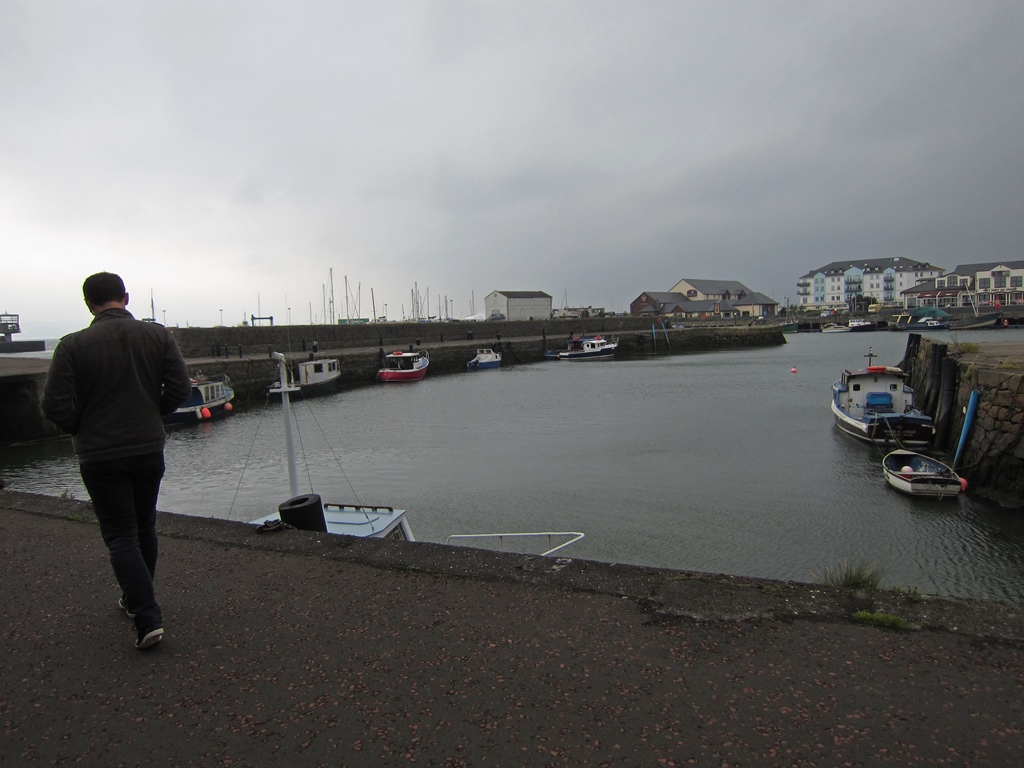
(205, 413)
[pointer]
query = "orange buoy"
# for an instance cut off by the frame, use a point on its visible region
(205, 413)
(229, 407)
(792, 370)
(963, 483)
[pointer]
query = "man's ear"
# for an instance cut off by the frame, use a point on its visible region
(126, 298)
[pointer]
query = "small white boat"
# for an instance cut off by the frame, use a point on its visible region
(316, 376)
(485, 358)
(835, 328)
(859, 324)
(921, 475)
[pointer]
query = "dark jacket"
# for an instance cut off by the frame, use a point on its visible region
(110, 384)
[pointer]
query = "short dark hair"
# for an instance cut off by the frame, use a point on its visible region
(102, 287)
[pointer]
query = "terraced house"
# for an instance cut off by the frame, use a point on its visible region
(986, 284)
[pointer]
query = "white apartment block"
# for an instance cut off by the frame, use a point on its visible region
(881, 281)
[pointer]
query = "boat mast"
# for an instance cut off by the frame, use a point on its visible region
(293, 474)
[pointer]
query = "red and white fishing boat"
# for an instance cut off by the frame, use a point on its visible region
(404, 366)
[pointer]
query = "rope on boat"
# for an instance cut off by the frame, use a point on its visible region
(333, 454)
(245, 464)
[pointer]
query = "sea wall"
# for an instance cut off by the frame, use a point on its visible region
(244, 354)
(294, 339)
(944, 376)
(251, 374)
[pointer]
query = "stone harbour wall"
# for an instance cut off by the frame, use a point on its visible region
(993, 457)
(244, 354)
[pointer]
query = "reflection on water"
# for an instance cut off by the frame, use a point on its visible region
(724, 462)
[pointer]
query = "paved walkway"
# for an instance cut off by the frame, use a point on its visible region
(298, 649)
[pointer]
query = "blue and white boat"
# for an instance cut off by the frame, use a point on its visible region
(582, 348)
(876, 405)
(210, 398)
(485, 358)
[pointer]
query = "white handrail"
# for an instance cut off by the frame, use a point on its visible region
(576, 536)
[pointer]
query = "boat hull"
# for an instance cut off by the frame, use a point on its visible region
(362, 521)
(404, 366)
(919, 475)
(586, 356)
(914, 429)
(391, 375)
(979, 323)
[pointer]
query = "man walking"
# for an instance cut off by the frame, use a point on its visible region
(109, 386)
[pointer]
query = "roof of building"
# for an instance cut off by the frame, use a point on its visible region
(897, 263)
(664, 296)
(717, 286)
(524, 294)
(985, 266)
(755, 298)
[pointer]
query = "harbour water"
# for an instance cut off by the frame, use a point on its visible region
(724, 462)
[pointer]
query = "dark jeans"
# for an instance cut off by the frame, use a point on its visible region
(123, 493)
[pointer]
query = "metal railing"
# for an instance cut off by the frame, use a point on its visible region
(576, 536)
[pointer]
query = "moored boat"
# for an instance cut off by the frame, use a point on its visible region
(316, 376)
(876, 405)
(978, 322)
(912, 323)
(921, 475)
(835, 328)
(860, 325)
(485, 358)
(309, 512)
(404, 366)
(583, 348)
(210, 398)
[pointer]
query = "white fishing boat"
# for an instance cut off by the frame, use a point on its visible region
(584, 348)
(309, 512)
(875, 404)
(316, 376)
(921, 475)
(835, 328)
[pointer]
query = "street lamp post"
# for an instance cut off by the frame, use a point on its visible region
(222, 317)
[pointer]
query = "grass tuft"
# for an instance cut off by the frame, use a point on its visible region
(850, 574)
(885, 620)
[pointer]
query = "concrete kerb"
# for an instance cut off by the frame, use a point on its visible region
(664, 595)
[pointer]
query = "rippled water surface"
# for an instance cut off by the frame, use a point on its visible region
(725, 462)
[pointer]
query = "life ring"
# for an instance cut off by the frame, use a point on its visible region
(876, 369)
(397, 352)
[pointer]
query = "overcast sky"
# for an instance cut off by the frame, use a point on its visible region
(227, 156)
